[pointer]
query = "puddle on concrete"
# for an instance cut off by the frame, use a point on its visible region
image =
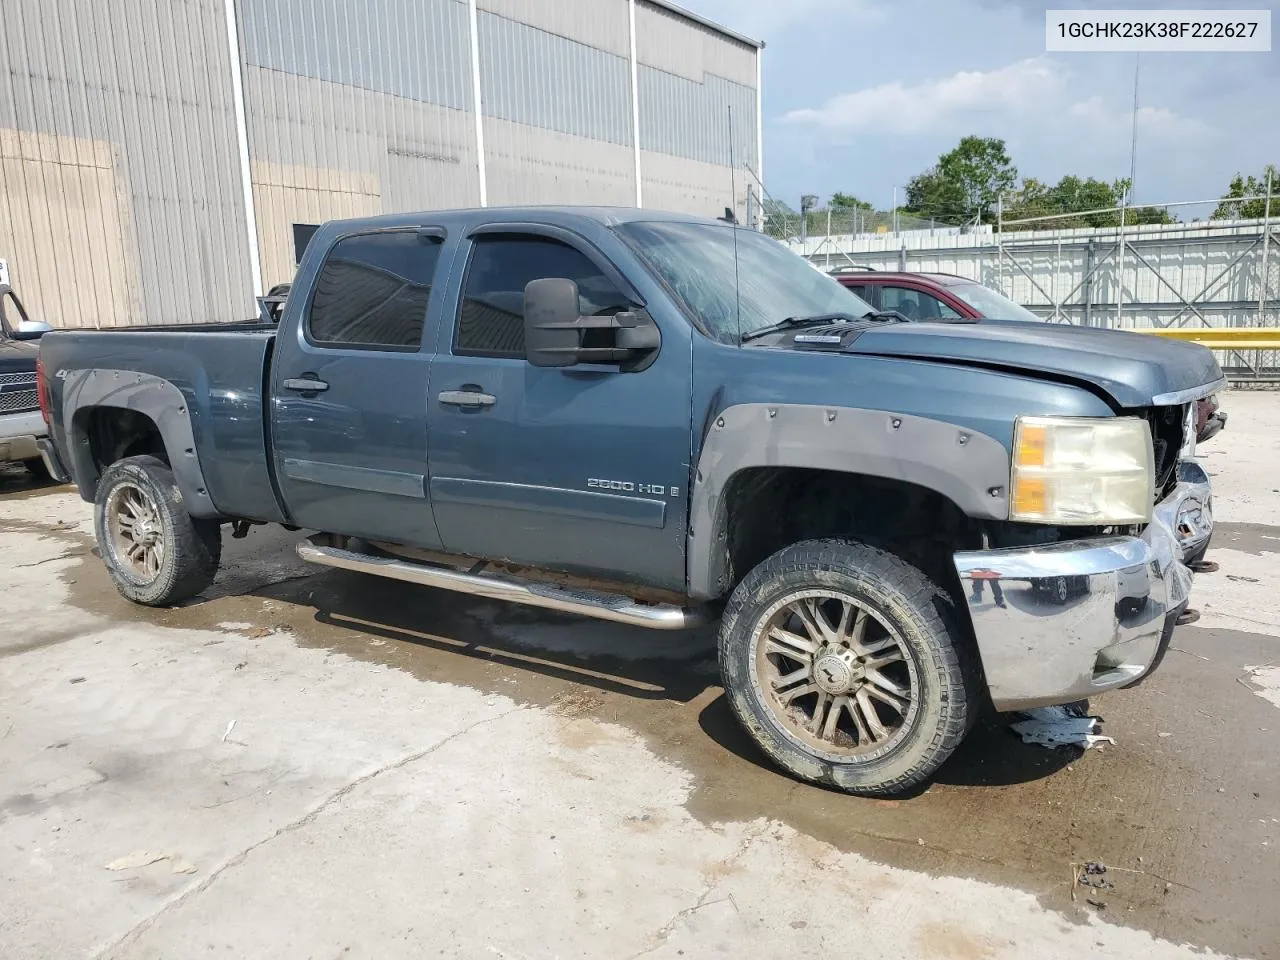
(1000, 810)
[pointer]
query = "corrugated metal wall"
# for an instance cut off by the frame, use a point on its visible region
(556, 93)
(120, 180)
(697, 109)
(119, 190)
(354, 110)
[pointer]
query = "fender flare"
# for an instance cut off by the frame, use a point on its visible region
(969, 468)
(154, 397)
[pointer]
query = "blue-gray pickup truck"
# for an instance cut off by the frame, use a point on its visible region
(663, 420)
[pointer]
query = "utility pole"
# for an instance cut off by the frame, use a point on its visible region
(1133, 145)
(1266, 245)
(1127, 200)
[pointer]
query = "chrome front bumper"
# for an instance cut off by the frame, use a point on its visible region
(19, 433)
(1074, 619)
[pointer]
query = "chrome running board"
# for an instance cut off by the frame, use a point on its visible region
(587, 603)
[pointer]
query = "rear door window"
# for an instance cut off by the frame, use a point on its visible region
(373, 291)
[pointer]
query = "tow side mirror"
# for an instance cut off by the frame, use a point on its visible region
(551, 337)
(31, 330)
(556, 335)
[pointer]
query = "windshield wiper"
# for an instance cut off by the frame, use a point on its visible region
(795, 323)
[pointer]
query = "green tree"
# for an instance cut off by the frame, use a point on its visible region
(1234, 207)
(847, 201)
(965, 184)
(1075, 202)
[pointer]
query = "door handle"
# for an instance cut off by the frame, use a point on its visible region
(305, 384)
(467, 398)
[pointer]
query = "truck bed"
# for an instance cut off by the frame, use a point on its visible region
(220, 370)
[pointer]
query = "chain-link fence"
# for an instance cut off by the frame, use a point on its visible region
(786, 224)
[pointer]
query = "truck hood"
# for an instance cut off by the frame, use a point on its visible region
(1134, 369)
(18, 356)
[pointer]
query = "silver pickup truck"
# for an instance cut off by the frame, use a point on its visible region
(22, 427)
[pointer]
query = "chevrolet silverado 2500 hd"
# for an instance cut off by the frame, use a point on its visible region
(655, 419)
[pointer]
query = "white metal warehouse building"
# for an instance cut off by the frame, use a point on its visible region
(156, 155)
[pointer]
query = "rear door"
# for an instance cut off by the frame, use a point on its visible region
(349, 390)
(579, 468)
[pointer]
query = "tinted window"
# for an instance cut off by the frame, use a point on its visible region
(915, 304)
(862, 290)
(491, 322)
(373, 291)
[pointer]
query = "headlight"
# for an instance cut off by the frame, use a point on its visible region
(1082, 471)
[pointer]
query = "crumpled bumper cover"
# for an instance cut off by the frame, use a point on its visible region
(1188, 511)
(1060, 622)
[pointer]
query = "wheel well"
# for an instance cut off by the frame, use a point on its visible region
(113, 433)
(768, 508)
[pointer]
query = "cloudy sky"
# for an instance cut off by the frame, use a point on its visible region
(862, 94)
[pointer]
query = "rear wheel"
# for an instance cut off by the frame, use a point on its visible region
(847, 667)
(157, 554)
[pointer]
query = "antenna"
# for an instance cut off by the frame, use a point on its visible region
(733, 199)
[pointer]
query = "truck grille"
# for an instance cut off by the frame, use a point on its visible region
(18, 392)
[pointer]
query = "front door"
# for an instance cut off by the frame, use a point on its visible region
(349, 391)
(580, 468)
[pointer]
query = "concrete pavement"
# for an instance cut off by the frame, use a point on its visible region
(350, 767)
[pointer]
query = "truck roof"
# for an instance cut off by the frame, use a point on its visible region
(876, 275)
(550, 213)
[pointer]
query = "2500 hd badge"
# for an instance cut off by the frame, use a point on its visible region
(626, 486)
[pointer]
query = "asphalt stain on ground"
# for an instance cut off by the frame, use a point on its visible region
(1251, 538)
(1177, 807)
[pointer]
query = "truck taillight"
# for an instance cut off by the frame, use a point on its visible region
(42, 392)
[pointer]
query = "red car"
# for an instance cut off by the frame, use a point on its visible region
(944, 297)
(937, 297)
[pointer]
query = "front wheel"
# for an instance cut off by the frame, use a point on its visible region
(846, 665)
(157, 553)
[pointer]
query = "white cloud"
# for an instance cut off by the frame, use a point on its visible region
(765, 19)
(896, 107)
(1105, 119)
(1032, 97)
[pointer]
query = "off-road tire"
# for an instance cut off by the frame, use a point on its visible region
(192, 547)
(923, 614)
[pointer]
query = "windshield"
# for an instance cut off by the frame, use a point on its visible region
(696, 260)
(991, 304)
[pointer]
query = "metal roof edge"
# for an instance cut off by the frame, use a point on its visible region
(711, 24)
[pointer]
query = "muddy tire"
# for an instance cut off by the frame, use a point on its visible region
(156, 553)
(848, 667)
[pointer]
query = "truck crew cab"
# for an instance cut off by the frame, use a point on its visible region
(658, 420)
